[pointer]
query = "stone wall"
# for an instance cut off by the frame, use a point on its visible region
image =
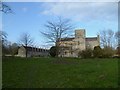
(78, 43)
(21, 52)
(36, 52)
(91, 44)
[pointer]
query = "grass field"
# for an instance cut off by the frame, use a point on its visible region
(59, 73)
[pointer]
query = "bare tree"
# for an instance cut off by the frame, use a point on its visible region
(110, 38)
(5, 8)
(107, 38)
(117, 36)
(26, 40)
(3, 37)
(56, 30)
(3, 42)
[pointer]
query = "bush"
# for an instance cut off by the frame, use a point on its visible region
(85, 53)
(97, 52)
(107, 52)
(53, 51)
(118, 51)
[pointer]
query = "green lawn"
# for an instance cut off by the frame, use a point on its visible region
(59, 73)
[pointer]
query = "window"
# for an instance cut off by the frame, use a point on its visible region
(78, 36)
(65, 53)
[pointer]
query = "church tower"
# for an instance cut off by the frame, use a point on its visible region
(80, 33)
(80, 39)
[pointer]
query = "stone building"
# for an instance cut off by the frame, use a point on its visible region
(32, 51)
(71, 46)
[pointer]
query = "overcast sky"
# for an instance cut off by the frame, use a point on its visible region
(31, 16)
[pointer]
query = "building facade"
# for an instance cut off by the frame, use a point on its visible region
(32, 51)
(70, 47)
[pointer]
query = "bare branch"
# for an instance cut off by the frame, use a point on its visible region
(107, 38)
(5, 8)
(26, 39)
(3, 37)
(57, 29)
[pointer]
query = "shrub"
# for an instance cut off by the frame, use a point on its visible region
(85, 53)
(53, 51)
(97, 52)
(107, 52)
(118, 51)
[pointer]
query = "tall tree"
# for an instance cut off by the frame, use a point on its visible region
(56, 30)
(26, 40)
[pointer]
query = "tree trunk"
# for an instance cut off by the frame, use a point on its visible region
(57, 49)
(26, 51)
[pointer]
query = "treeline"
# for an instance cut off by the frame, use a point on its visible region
(99, 52)
(8, 48)
(11, 49)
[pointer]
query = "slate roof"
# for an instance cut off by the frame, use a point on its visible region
(91, 39)
(67, 39)
(86, 39)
